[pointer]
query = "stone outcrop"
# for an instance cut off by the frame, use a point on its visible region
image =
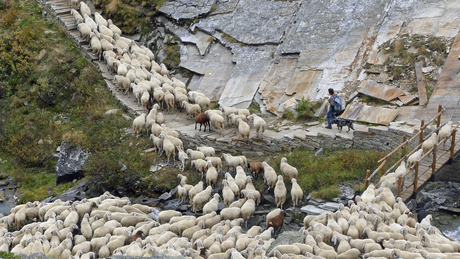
(71, 163)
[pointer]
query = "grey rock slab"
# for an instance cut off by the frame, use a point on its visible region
(201, 40)
(187, 9)
(254, 22)
(71, 163)
(312, 210)
(216, 68)
(332, 206)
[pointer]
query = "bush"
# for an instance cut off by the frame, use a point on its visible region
(304, 109)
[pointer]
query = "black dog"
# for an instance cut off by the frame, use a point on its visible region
(343, 122)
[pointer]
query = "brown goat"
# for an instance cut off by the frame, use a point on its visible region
(276, 222)
(256, 168)
(132, 238)
(202, 119)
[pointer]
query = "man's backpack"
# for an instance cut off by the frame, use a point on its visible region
(337, 103)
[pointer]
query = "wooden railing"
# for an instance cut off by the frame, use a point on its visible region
(415, 168)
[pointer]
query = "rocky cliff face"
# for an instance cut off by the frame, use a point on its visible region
(273, 51)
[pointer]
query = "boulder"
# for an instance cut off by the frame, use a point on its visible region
(71, 163)
(76, 193)
(172, 205)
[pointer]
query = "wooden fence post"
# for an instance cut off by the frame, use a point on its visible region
(421, 132)
(366, 183)
(416, 176)
(383, 167)
(433, 167)
(403, 148)
(438, 122)
(399, 186)
(452, 147)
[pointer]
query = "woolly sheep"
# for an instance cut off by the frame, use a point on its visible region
(243, 129)
(207, 151)
(287, 169)
(240, 177)
(194, 155)
(191, 109)
(182, 157)
(248, 208)
(250, 188)
(200, 165)
(123, 82)
(256, 168)
(296, 192)
(106, 45)
(244, 112)
(233, 161)
(200, 198)
(216, 162)
(414, 158)
(168, 147)
(169, 101)
(230, 213)
(99, 19)
(211, 174)
(270, 176)
(445, 132)
(84, 9)
(232, 184)
(90, 22)
(85, 31)
(280, 192)
(76, 16)
(212, 205)
(194, 190)
(228, 110)
(114, 28)
(227, 193)
(259, 124)
(429, 143)
(145, 100)
(233, 118)
(139, 123)
(217, 121)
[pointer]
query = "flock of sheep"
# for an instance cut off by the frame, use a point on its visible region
(376, 226)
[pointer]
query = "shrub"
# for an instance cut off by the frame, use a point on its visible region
(304, 109)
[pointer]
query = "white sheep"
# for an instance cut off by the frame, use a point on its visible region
(270, 176)
(230, 213)
(233, 161)
(233, 118)
(194, 190)
(201, 198)
(211, 174)
(227, 193)
(166, 215)
(106, 45)
(240, 177)
(191, 109)
(212, 205)
(168, 147)
(182, 157)
(445, 132)
(76, 16)
(228, 110)
(169, 101)
(96, 45)
(85, 31)
(250, 188)
(194, 154)
(280, 192)
(84, 9)
(216, 162)
(207, 151)
(414, 158)
(217, 121)
(90, 22)
(99, 19)
(139, 123)
(145, 100)
(114, 28)
(122, 82)
(199, 165)
(248, 208)
(232, 184)
(259, 124)
(287, 169)
(243, 129)
(244, 112)
(429, 143)
(296, 192)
